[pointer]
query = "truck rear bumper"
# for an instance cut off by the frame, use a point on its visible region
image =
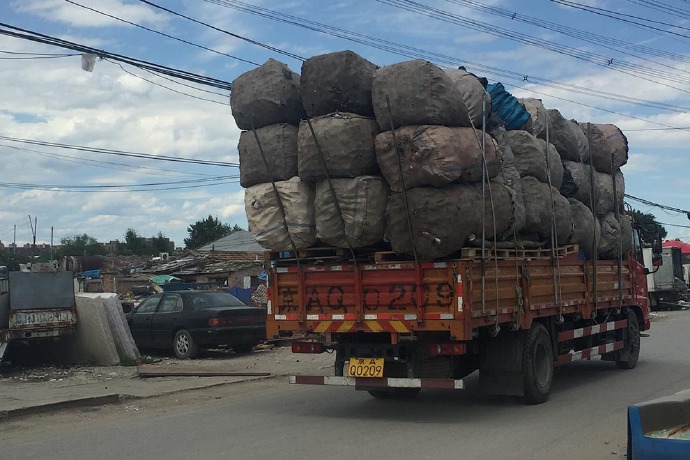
(364, 383)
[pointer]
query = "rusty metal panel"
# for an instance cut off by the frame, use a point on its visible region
(35, 291)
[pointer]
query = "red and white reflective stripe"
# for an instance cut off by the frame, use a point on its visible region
(286, 317)
(390, 317)
(458, 292)
(589, 352)
(447, 384)
(591, 330)
(438, 316)
(348, 317)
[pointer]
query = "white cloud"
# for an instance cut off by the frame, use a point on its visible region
(68, 13)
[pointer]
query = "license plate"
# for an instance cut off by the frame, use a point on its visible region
(365, 367)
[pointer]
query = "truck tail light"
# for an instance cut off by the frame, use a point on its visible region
(446, 349)
(307, 347)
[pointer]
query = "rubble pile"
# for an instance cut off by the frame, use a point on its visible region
(360, 155)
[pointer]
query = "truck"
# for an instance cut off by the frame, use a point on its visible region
(396, 326)
(35, 307)
(667, 283)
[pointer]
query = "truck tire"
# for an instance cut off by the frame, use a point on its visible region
(631, 349)
(184, 345)
(537, 364)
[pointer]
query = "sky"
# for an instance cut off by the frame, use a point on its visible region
(624, 62)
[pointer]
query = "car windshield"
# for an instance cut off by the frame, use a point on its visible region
(203, 300)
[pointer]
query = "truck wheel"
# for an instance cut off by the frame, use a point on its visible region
(537, 364)
(184, 345)
(631, 348)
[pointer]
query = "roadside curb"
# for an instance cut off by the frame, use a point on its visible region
(102, 400)
(68, 403)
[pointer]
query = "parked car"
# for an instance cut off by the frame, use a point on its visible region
(190, 320)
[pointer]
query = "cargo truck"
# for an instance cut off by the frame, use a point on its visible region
(35, 306)
(396, 326)
(667, 283)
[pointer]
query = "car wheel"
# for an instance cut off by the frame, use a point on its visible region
(243, 348)
(184, 345)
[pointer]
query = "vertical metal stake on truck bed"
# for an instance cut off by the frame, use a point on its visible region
(616, 211)
(332, 189)
(555, 263)
(402, 180)
(593, 201)
(280, 201)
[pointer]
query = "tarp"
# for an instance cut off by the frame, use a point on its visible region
(164, 279)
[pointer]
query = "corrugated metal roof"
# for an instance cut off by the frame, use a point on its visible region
(241, 241)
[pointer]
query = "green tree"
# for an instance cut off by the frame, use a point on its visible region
(160, 243)
(81, 245)
(648, 226)
(206, 230)
(135, 243)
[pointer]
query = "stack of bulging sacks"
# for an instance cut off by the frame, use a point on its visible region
(361, 155)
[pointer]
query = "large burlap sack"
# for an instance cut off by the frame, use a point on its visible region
(539, 119)
(586, 230)
(606, 200)
(434, 155)
(420, 93)
(510, 177)
(568, 138)
(606, 142)
(362, 203)
(279, 144)
(610, 236)
(530, 157)
(473, 94)
(541, 201)
(442, 218)
(581, 176)
(337, 82)
(347, 145)
(504, 216)
(267, 95)
(266, 220)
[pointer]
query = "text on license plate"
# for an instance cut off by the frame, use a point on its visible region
(365, 367)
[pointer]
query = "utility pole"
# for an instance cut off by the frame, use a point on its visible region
(51, 242)
(34, 226)
(14, 242)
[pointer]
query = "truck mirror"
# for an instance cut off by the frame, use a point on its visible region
(656, 244)
(657, 260)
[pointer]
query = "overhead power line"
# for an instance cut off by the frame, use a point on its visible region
(441, 59)
(119, 152)
(670, 74)
(595, 39)
(622, 17)
(162, 33)
(249, 40)
(657, 205)
(17, 32)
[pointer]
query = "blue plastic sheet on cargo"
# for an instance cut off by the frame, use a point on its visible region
(507, 107)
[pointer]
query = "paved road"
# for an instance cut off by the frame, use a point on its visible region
(585, 418)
